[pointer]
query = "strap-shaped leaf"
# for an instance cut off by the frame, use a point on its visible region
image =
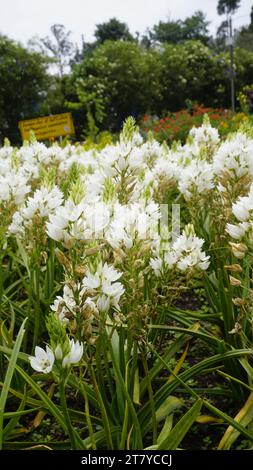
(8, 377)
(174, 437)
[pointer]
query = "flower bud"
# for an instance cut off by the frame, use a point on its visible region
(238, 301)
(239, 249)
(234, 268)
(234, 282)
(58, 352)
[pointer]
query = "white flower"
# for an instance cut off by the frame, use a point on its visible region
(114, 290)
(103, 303)
(185, 253)
(65, 305)
(43, 361)
(170, 258)
(104, 286)
(197, 177)
(205, 134)
(156, 265)
(43, 203)
(14, 186)
(234, 156)
(91, 281)
(241, 210)
(75, 354)
(237, 231)
(243, 207)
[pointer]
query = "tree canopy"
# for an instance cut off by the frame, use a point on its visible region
(23, 85)
(227, 6)
(113, 30)
(193, 27)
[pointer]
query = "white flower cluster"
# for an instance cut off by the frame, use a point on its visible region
(184, 253)
(119, 224)
(197, 177)
(13, 187)
(243, 212)
(78, 221)
(43, 203)
(191, 164)
(234, 156)
(103, 285)
(98, 291)
(205, 135)
(85, 199)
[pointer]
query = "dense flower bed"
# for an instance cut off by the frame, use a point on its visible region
(94, 263)
(176, 126)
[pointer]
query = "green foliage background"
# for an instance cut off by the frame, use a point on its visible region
(173, 65)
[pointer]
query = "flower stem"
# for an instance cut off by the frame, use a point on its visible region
(64, 406)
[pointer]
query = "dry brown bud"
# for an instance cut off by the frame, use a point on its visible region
(238, 301)
(80, 270)
(63, 260)
(238, 249)
(234, 268)
(237, 328)
(94, 250)
(234, 282)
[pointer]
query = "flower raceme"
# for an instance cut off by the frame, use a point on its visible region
(105, 286)
(184, 254)
(43, 203)
(242, 210)
(97, 292)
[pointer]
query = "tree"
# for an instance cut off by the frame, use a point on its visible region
(24, 84)
(120, 79)
(191, 72)
(222, 31)
(219, 43)
(251, 20)
(59, 50)
(227, 6)
(58, 47)
(113, 30)
(169, 31)
(244, 36)
(194, 27)
(85, 50)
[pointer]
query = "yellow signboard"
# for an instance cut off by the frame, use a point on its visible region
(47, 127)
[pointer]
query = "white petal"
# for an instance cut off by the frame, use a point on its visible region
(40, 353)
(50, 354)
(35, 364)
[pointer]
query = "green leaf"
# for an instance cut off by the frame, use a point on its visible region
(136, 391)
(14, 418)
(51, 407)
(228, 420)
(197, 369)
(244, 417)
(167, 427)
(169, 406)
(8, 377)
(169, 354)
(174, 437)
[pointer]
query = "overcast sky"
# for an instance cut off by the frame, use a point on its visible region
(23, 19)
